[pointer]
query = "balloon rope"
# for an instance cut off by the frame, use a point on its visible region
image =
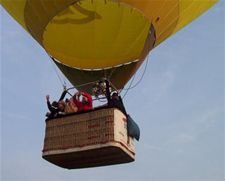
(113, 86)
(139, 81)
(81, 85)
(111, 73)
(131, 82)
(63, 83)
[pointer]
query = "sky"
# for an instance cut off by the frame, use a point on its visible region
(179, 106)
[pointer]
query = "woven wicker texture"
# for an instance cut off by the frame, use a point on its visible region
(91, 139)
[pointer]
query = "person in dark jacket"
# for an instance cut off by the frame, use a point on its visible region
(117, 102)
(56, 108)
(132, 127)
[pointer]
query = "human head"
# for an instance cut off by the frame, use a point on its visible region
(115, 95)
(55, 104)
(84, 100)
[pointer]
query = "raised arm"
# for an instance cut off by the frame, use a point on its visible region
(63, 95)
(51, 109)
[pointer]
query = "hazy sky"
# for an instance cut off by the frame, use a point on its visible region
(179, 106)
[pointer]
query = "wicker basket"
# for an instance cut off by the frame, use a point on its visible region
(95, 138)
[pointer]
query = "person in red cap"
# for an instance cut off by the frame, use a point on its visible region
(85, 103)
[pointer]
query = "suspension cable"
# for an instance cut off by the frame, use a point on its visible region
(81, 85)
(62, 82)
(111, 73)
(139, 81)
(113, 86)
(129, 86)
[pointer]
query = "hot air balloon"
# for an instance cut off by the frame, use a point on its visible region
(93, 39)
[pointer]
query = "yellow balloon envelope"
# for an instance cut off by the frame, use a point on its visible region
(91, 39)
